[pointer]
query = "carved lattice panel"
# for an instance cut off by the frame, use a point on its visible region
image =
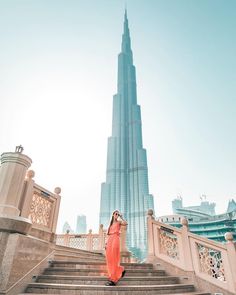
(95, 243)
(169, 244)
(40, 210)
(210, 261)
(60, 241)
(78, 243)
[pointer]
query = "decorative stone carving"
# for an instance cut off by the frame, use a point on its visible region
(57, 190)
(40, 210)
(169, 244)
(210, 261)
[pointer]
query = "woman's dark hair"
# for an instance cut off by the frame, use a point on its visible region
(112, 220)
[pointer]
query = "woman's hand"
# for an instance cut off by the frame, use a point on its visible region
(122, 221)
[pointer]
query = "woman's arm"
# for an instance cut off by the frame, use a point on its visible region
(122, 221)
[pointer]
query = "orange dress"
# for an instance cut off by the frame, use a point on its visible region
(113, 253)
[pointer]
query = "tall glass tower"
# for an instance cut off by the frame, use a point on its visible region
(126, 186)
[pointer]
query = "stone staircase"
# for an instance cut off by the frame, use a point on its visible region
(83, 272)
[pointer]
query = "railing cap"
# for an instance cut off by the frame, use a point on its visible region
(184, 221)
(150, 212)
(57, 190)
(229, 237)
(30, 174)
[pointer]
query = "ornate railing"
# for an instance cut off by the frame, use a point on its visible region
(91, 241)
(40, 205)
(169, 244)
(211, 261)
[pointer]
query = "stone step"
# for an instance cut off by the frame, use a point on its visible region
(101, 280)
(100, 272)
(47, 288)
(73, 251)
(191, 293)
(71, 258)
(94, 264)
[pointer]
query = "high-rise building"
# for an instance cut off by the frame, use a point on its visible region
(81, 225)
(126, 187)
(67, 228)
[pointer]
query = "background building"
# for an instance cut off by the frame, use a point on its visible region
(210, 226)
(204, 207)
(81, 224)
(66, 227)
(126, 187)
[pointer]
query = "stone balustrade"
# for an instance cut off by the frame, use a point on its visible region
(93, 241)
(210, 261)
(26, 207)
(40, 206)
(28, 220)
(88, 242)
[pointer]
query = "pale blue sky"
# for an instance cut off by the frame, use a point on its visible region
(58, 70)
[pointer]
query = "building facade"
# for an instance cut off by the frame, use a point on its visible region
(213, 227)
(204, 207)
(126, 187)
(81, 224)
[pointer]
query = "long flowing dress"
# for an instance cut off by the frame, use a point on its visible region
(114, 268)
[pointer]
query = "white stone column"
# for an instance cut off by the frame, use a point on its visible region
(12, 174)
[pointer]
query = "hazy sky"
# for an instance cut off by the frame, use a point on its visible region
(58, 70)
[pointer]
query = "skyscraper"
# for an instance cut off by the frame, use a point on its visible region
(126, 186)
(81, 225)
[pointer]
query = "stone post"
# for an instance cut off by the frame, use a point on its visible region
(125, 254)
(123, 235)
(67, 239)
(150, 235)
(186, 250)
(89, 241)
(231, 253)
(101, 238)
(12, 178)
(26, 199)
(12, 175)
(57, 192)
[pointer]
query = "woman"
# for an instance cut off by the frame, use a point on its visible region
(115, 271)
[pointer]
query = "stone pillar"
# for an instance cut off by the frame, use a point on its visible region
(67, 239)
(231, 253)
(123, 235)
(12, 174)
(101, 238)
(57, 192)
(89, 244)
(186, 250)
(150, 235)
(125, 254)
(26, 198)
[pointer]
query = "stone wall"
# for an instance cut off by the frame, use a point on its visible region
(188, 277)
(19, 254)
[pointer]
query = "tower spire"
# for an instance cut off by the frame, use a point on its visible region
(126, 43)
